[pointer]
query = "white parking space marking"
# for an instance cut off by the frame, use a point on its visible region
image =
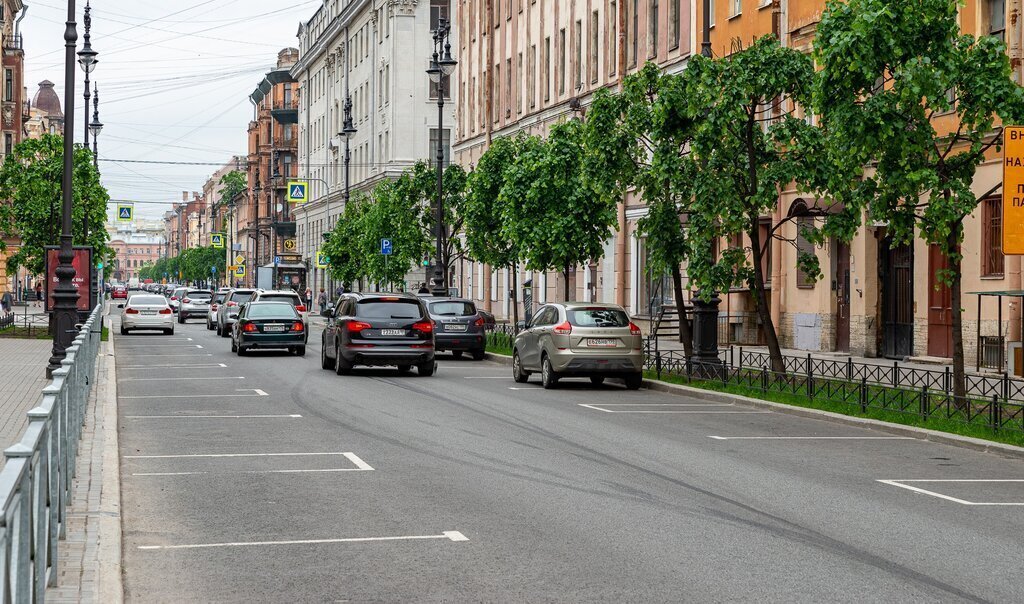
(190, 455)
(899, 483)
(294, 416)
(255, 391)
(687, 408)
(449, 535)
(179, 379)
(813, 437)
(218, 365)
(148, 346)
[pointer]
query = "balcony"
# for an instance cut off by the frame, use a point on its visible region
(286, 111)
(13, 42)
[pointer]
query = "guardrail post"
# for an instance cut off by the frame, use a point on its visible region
(995, 415)
(946, 381)
(864, 394)
(764, 378)
(849, 369)
(895, 374)
(922, 403)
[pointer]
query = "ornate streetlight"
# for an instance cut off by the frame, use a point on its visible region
(65, 295)
(87, 59)
(442, 66)
(347, 132)
(96, 126)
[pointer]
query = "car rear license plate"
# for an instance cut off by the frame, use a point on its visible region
(148, 312)
(392, 332)
(274, 327)
(600, 343)
(454, 327)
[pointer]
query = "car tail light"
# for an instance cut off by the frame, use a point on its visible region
(479, 322)
(633, 329)
(174, 297)
(564, 329)
(424, 326)
(130, 311)
(357, 326)
(230, 304)
(213, 307)
(297, 326)
(249, 327)
(301, 308)
(187, 300)
(165, 311)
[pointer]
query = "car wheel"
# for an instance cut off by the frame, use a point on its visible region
(169, 332)
(242, 351)
(597, 380)
(341, 366)
(300, 351)
(124, 331)
(404, 368)
(548, 375)
(426, 369)
(325, 361)
(234, 347)
(181, 319)
(456, 354)
(520, 375)
(634, 381)
(479, 354)
(225, 332)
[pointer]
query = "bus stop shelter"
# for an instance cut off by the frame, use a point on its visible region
(999, 295)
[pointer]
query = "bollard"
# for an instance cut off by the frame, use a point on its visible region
(923, 404)
(864, 395)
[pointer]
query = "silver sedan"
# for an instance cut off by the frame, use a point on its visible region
(146, 311)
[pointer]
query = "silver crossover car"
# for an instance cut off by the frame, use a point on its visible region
(579, 339)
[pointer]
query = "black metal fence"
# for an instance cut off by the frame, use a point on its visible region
(996, 403)
(24, 325)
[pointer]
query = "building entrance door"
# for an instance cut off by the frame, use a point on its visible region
(940, 307)
(842, 289)
(896, 275)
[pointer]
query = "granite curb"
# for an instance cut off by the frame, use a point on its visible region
(110, 584)
(956, 440)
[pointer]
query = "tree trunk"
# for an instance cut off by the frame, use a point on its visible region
(685, 333)
(565, 284)
(512, 294)
(761, 301)
(955, 287)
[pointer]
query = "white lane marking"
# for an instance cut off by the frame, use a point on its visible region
(487, 377)
(199, 346)
(518, 388)
(171, 366)
(450, 535)
(898, 483)
(255, 391)
(179, 379)
(596, 408)
(813, 437)
(702, 411)
(294, 416)
(191, 455)
(190, 356)
(362, 465)
(146, 346)
(667, 404)
(321, 470)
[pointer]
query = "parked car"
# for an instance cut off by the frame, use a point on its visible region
(268, 325)
(379, 330)
(228, 311)
(195, 303)
(169, 289)
(272, 295)
(458, 326)
(176, 296)
(119, 292)
(218, 299)
(579, 339)
(146, 311)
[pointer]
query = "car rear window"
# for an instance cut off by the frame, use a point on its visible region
(293, 300)
(200, 295)
(274, 310)
(148, 301)
(388, 309)
(598, 317)
(241, 297)
(453, 309)
(220, 298)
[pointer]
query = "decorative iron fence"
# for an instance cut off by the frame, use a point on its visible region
(35, 483)
(24, 325)
(996, 403)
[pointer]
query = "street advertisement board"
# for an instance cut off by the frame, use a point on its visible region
(82, 263)
(1013, 190)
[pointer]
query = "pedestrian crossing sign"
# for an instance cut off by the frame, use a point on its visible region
(240, 270)
(321, 260)
(125, 212)
(217, 240)
(297, 191)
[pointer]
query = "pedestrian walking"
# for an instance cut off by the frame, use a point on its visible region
(423, 289)
(6, 302)
(339, 290)
(309, 297)
(321, 300)
(39, 294)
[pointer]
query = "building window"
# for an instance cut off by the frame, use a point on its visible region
(531, 81)
(445, 87)
(579, 55)
(508, 86)
(711, 20)
(496, 98)
(997, 18)
(546, 65)
(445, 146)
(8, 85)
(803, 247)
(735, 7)
(613, 19)
(652, 28)
(519, 89)
(594, 41)
(438, 11)
(673, 24)
(992, 237)
(561, 61)
(8, 143)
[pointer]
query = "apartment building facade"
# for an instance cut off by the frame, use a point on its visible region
(375, 53)
(14, 112)
(525, 64)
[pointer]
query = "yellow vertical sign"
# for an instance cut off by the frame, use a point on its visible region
(1013, 190)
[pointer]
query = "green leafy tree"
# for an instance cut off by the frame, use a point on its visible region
(345, 247)
(889, 67)
(633, 143)
(417, 187)
(484, 212)
(557, 216)
(195, 263)
(30, 179)
(742, 155)
(395, 214)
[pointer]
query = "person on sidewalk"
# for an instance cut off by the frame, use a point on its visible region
(321, 300)
(39, 294)
(6, 302)
(309, 298)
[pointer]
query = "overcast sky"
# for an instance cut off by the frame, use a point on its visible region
(174, 79)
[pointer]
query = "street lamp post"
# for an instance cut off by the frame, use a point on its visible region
(442, 65)
(347, 131)
(87, 59)
(65, 296)
(96, 126)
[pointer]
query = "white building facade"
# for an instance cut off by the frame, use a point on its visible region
(375, 52)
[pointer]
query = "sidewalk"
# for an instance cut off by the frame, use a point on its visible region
(23, 377)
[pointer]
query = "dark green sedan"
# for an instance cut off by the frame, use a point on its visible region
(268, 325)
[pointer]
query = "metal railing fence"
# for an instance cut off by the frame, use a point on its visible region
(35, 483)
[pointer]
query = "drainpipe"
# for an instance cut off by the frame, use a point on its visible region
(488, 125)
(1014, 35)
(705, 45)
(620, 243)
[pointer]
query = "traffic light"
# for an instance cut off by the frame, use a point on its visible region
(426, 259)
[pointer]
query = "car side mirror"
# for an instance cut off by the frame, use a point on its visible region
(521, 325)
(328, 310)
(120, 305)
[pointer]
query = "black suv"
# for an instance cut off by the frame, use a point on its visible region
(379, 330)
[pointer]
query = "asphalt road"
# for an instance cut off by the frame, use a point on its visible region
(267, 479)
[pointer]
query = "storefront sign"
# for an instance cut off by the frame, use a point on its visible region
(1013, 190)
